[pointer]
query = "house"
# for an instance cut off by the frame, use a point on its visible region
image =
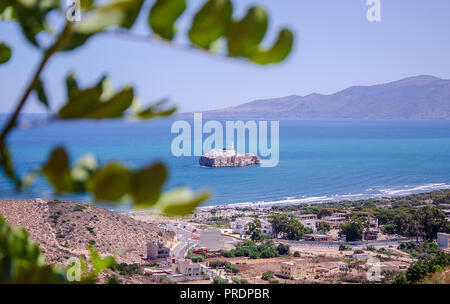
(156, 250)
(443, 239)
(310, 224)
(373, 222)
(293, 269)
(306, 217)
(186, 268)
(266, 227)
(371, 234)
(334, 221)
(239, 224)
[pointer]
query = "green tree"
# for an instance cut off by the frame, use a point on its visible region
(353, 230)
(324, 227)
(432, 220)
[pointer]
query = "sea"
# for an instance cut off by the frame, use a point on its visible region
(319, 160)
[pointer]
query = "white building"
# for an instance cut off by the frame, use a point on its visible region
(310, 224)
(239, 225)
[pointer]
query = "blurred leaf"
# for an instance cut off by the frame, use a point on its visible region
(71, 85)
(81, 104)
(121, 13)
(99, 263)
(7, 12)
(147, 183)
(155, 111)
(5, 53)
(57, 171)
(163, 15)
(278, 52)
(180, 201)
(115, 107)
(87, 5)
(84, 169)
(110, 183)
(42, 97)
(31, 15)
(245, 35)
(21, 260)
(211, 22)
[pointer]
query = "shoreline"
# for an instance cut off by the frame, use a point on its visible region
(421, 189)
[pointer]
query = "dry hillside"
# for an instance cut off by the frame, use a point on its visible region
(65, 229)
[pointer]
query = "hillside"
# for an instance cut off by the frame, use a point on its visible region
(421, 97)
(64, 230)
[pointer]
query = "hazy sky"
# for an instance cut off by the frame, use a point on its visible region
(336, 47)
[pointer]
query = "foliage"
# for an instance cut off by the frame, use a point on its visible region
(283, 249)
(126, 269)
(353, 230)
(254, 230)
(229, 267)
(323, 227)
(287, 226)
(267, 275)
(196, 258)
(113, 181)
(239, 281)
(21, 260)
(218, 280)
(297, 254)
(343, 247)
(252, 250)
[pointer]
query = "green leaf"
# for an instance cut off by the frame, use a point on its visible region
(57, 171)
(147, 183)
(5, 53)
(31, 15)
(71, 85)
(81, 104)
(21, 260)
(163, 15)
(245, 35)
(99, 263)
(180, 201)
(278, 52)
(121, 13)
(111, 183)
(115, 107)
(211, 22)
(155, 111)
(42, 97)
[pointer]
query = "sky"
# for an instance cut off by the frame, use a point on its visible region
(335, 47)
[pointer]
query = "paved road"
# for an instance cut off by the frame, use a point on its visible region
(361, 244)
(184, 234)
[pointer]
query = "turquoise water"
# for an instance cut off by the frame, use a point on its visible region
(319, 160)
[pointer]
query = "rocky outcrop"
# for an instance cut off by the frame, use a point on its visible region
(228, 158)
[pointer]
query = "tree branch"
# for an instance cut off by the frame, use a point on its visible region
(5, 161)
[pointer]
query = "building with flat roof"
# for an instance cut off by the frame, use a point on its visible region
(293, 269)
(156, 250)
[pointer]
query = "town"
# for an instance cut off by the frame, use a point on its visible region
(372, 240)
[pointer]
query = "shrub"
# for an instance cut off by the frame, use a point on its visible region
(267, 275)
(283, 249)
(297, 254)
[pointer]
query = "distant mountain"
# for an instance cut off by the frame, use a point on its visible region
(420, 97)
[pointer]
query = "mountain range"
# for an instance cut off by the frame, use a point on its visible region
(419, 97)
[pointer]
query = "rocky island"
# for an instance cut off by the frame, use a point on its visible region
(228, 158)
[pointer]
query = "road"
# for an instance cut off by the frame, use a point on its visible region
(361, 244)
(184, 238)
